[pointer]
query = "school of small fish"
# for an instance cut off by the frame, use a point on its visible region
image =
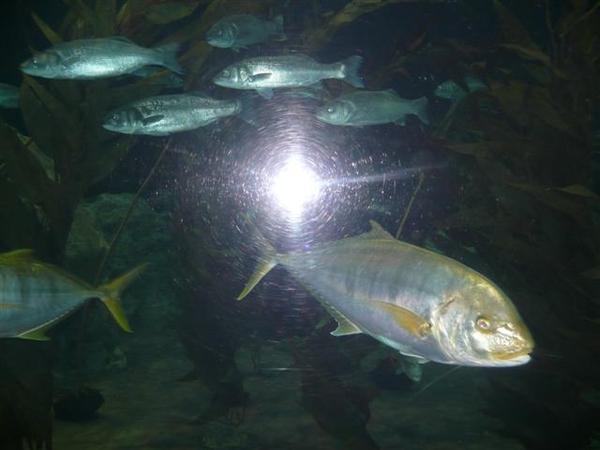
(425, 305)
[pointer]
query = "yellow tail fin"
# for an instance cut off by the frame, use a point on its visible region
(112, 295)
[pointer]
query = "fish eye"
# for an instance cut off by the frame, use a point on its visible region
(483, 323)
(330, 109)
(113, 118)
(220, 32)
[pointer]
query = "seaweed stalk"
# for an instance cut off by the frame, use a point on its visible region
(410, 203)
(111, 247)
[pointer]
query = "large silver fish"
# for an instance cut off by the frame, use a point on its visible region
(423, 304)
(34, 295)
(265, 73)
(371, 108)
(99, 58)
(240, 30)
(165, 114)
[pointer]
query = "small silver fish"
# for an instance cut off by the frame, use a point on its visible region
(371, 108)
(265, 73)
(423, 304)
(35, 295)
(165, 114)
(452, 91)
(9, 96)
(99, 58)
(240, 30)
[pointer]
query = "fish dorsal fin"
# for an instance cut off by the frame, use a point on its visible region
(21, 254)
(377, 232)
(121, 39)
(408, 320)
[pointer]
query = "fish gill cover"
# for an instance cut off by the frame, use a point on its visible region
(510, 188)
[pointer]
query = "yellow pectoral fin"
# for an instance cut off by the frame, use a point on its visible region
(408, 320)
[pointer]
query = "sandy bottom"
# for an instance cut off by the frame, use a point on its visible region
(146, 407)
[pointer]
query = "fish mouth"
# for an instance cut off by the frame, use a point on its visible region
(219, 80)
(516, 357)
(26, 67)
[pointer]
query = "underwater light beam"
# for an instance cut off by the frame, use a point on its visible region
(294, 186)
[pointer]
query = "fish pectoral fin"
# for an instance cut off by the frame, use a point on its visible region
(260, 77)
(408, 320)
(411, 366)
(152, 119)
(265, 93)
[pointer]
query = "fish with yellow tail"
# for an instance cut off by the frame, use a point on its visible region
(425, 305)
(34, 295)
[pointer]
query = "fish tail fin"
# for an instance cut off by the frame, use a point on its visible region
(167, 55)
(267, 261)
(278, 28)
(112, 295)
(420, 105)
(350, 67)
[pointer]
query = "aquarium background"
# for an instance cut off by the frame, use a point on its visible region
(503, 179)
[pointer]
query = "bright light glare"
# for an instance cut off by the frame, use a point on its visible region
(294, 186)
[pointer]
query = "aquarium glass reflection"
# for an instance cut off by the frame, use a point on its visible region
(317, 224)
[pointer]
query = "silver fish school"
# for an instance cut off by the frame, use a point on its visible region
(34, 296)
(421, 303)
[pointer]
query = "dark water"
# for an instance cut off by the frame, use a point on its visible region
(503, 179)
